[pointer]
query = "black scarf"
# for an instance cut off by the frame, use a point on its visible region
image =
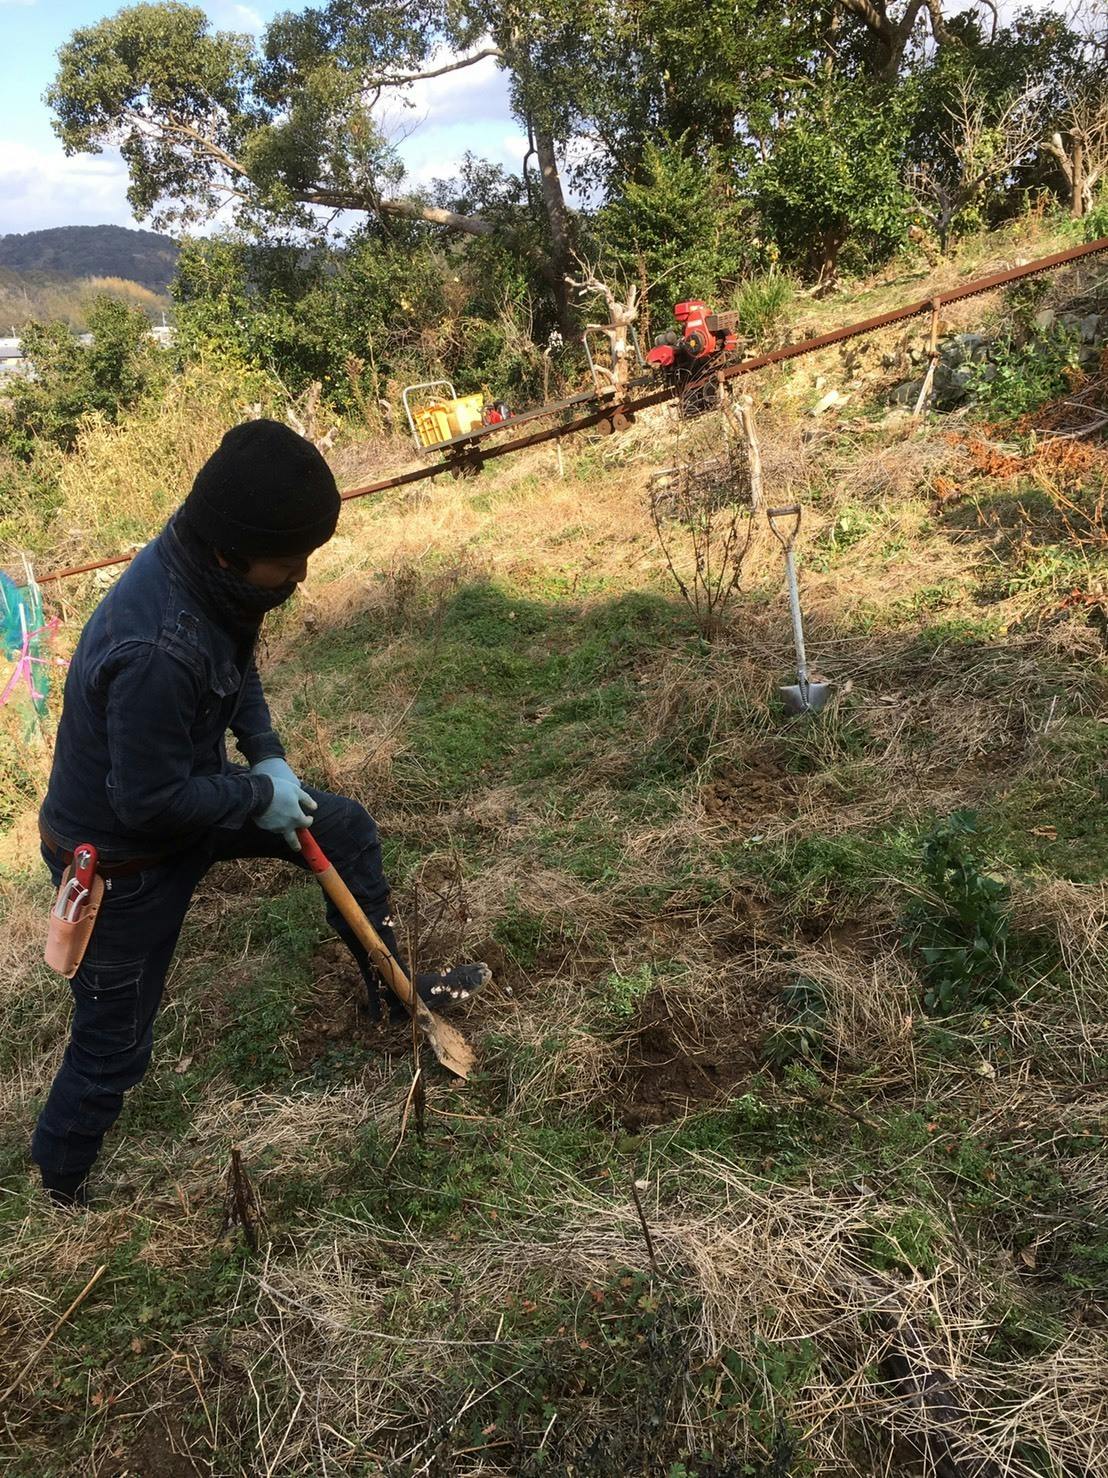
(230, 600)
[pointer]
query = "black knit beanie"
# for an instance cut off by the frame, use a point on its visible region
(264, 492)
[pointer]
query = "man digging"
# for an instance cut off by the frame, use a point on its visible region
(164, 667)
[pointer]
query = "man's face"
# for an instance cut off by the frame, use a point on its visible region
(271, 573)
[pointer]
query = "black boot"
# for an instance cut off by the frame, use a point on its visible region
(69, 1191)
(440, 989)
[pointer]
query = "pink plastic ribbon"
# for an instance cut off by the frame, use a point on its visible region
(25, 662)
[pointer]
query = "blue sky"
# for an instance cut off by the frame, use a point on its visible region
(39, 187)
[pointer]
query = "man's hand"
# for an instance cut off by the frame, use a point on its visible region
(276, 770)
(291, 806)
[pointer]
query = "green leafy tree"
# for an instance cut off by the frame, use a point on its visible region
(73, 380)
(682, 220)
(994, 117)
(389, 307)
(204, 117)
(618, 80)
(834, 177)
(287, 132)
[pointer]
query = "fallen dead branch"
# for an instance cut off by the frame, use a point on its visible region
(37, 1352)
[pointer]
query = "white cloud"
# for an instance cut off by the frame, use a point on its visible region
(41, 187)
(435, 122)
(227, 14)
(436, 152)
(480, 91)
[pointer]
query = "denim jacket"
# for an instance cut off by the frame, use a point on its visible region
(140, 763)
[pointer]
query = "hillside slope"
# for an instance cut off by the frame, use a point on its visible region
(48, 297)
(728, 1195)
(145, 257)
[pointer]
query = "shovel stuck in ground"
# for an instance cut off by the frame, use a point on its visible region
(447, 1043)
(803, 696)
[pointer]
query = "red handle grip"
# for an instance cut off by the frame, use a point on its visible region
(311, 851)
(84, 863)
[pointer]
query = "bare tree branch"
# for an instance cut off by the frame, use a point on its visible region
(895, 35)
(982, 150)
(1080, 147)
(938, 23)
(989, 5)
(331, 198)
(621, 315)
(465, 61)
(877, 21)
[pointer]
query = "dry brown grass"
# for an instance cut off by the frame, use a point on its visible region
(903, 469)
(346, 1338)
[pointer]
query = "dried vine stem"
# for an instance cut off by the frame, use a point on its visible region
(243, 1208)
(701, 508)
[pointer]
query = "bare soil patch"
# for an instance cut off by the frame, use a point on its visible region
(338, 1011)
(158, 1452)
(745, 792)
(675, 1062)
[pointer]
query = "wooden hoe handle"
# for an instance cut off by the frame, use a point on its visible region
(341, 896)
(446, 1042)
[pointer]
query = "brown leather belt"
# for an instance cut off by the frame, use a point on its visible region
(63, 856)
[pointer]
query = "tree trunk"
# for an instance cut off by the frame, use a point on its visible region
(558, 225)
(823, 254)
(414, 211)
(831, 33)
(1077, 184)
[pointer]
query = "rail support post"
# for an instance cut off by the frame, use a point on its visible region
(932, 361)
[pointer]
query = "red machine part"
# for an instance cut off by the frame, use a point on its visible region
(697, 334)
(703, 334)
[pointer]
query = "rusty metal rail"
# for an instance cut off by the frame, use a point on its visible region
(473, 453)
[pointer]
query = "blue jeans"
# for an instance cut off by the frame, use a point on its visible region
(118, 988)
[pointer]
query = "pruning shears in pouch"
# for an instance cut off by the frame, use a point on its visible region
(73, 898)
(73, 916)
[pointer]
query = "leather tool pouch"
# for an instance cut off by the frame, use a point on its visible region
(66, 943)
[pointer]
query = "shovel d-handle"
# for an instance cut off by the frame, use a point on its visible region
(351, 910)
(787, 540)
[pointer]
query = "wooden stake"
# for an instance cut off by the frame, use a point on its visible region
(76, 1304)
(750, 433)
(740, 413)
(932, 361)
(243, 1204)
(645, 1227)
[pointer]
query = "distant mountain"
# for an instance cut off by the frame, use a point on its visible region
(94, 251)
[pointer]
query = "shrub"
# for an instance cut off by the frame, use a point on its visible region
(800, 1034)
(72, 381)
(1024, 374)
(1096, 222)
(762, 303)
(961, 931)
(834, 178)
(681, 218)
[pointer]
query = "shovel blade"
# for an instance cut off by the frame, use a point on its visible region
(446, 1042)
(808, 699)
